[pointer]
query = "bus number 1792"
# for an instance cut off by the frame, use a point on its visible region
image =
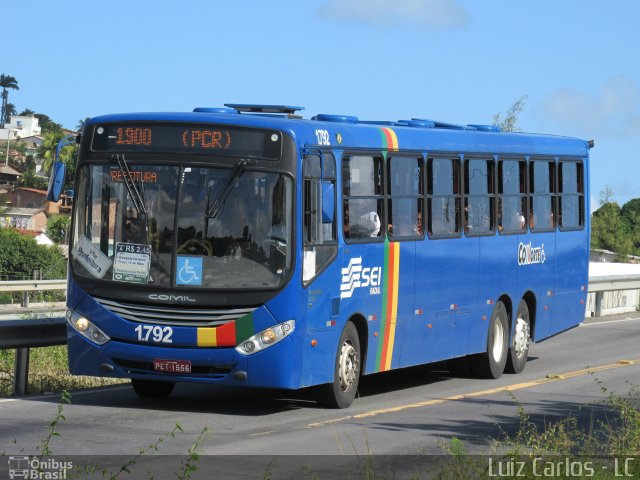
(154, 333)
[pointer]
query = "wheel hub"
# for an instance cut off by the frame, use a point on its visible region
(348, 368)
(521, 337)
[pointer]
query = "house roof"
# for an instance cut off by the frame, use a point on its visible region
(9, 170)
(29, 233)
(26, 212)
(34, 190)
(35, 140)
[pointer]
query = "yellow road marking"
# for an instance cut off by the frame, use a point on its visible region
(481, 393)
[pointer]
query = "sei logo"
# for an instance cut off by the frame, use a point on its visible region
(371, 277)
(355, 276)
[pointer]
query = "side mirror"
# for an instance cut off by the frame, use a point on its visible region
(328, 202)
(56, 181)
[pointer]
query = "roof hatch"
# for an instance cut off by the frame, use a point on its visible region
(255, 108)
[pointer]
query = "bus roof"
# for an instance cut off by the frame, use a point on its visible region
(348, 132)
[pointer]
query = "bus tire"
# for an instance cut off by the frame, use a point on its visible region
(491, 363)
(341, 392)
(519, 348)
(152, 388)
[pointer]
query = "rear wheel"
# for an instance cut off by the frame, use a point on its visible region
(491, 364)
(519, 349)
(152, 388)
(341, 392)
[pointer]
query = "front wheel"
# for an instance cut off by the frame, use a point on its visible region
(341, 392)
(519, 349)
(491, 364)
(152, 388)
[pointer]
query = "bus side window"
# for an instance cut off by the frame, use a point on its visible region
(405, 197)
(542, 195)
(319, 225)
(444, 198)
(479, 215)
(570, 182)
(362, 198)
(512, 204)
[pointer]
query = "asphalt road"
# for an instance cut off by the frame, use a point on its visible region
(412, 411)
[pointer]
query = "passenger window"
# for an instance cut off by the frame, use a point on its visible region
(444, 199)
(405, 197)
(479, 209)
(512, 205)
(542, 206)
(362, 198)
(319, 219)
(571, 181)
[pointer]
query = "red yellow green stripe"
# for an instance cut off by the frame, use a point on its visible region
(228, 335)
(391, 280)
(389, 139)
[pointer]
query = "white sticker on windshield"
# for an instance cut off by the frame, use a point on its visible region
(91, 258)
(131, 263)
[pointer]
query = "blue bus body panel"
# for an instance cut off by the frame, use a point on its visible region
(445, 290)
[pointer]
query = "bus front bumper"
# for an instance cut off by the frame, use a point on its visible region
(225, 366)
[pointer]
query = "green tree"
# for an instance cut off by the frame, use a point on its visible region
(68, 155)
(58, 231)
(510, 121)
(630, 219)
(606, 194)
(6, 81)
(608, 230)
(81, 124)
(29, 179)
(20, 256)
(9, 111)
(26, 112)
(47, 125)
(47, 151)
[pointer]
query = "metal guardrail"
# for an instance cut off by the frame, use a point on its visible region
(25, 334)
(32, 285)
(41, 332)
(28, 333)
(27, 286)
(608, 283)
(614, 282)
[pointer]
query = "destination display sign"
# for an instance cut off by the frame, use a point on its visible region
(198, 139)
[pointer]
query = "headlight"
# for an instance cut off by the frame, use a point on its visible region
(85, 328)
(266, 338)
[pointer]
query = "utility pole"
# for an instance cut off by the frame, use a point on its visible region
(6, 160)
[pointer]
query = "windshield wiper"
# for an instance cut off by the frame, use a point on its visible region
(132, 188)
(218, 204)
(137, 197)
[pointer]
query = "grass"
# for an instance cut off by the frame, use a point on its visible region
(600, 450)
(48, 372)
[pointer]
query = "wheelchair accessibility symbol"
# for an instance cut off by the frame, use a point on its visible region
(189, 271)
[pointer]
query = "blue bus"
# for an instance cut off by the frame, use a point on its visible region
(248, 246)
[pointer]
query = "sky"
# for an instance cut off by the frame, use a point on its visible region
(458, 61)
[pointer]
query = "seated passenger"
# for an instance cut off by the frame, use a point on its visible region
(371, 221)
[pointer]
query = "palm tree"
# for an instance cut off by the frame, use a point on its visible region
(47, 151)
(10, 110)
(6, 81)
(81, 123)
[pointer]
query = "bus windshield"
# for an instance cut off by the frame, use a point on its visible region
(186, 227)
